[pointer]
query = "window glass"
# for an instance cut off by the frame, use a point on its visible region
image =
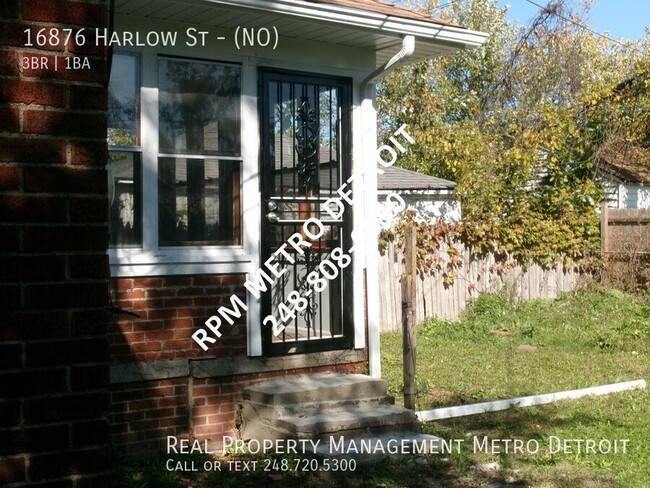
(124, 100)
(198, 201)
(125, 226)
(199, 108)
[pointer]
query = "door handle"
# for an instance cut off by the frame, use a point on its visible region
(272, 217)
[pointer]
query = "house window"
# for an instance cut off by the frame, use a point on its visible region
(124, 162)
(199, 152)
(191, 148)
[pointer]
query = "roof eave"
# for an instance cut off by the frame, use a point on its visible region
(372, 21)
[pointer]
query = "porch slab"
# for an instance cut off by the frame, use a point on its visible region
(356, 420)
(315, 388)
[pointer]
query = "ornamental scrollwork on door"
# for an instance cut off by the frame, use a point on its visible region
(307, 147)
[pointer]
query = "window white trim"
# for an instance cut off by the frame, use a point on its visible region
(151, 259)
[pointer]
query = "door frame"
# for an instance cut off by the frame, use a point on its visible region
(266, 184)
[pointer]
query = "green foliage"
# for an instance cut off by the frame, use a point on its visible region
(518, 123)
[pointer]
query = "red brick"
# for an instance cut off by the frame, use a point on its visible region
(12, 470)
(9, 62)
(9, 178)
(64, 123)
(32, 150)
(122, 284)
(130, 294)
(75, 407)
(67, 12)
(177, 281)
(232, 279)
(66, 295)
(160, 314)
(159, 293)
(191, 291)
(89, 153)
(69, 463)
(147, 282)
(159, 335)
(88, 267)
(62, 179)
(150, 325)
(30, 92)
(66, 238)
(145, 346)
(9, 119)
(177, 303)
(207, 280)
(20, 208)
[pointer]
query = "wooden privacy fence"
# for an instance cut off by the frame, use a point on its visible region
(434, 299)
(625, 230)
(626, 248)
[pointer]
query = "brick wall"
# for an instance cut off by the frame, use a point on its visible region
(170, 309)
(53, 265)
(156, 390)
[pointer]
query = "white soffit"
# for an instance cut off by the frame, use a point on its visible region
(295, 19)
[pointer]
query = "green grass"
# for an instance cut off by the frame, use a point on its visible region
(582, 339)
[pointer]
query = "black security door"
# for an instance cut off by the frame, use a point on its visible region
(305, 123)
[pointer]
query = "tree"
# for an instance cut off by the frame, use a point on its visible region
(513, 123)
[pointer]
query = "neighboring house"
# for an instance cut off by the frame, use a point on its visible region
(625, 177)
(430, 197)
(221, 146)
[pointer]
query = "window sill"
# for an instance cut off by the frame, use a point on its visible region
(179, 261)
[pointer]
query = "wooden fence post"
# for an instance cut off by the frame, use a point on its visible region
(408, 318)
(604, 226)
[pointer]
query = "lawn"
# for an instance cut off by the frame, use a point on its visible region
(502, 350)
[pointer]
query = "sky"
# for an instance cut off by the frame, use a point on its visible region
(625, 19)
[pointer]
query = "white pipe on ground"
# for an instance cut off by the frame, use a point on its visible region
(527, 401)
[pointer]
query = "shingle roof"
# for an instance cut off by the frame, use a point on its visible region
(384, 8)
(403, 179)
(631, 164)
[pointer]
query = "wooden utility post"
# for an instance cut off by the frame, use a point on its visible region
(604, 226)
(408, 317)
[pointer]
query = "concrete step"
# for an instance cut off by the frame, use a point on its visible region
(322, 407)
(353, 420)
(326, 387)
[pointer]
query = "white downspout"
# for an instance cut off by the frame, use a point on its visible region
(369, 179)
(407, 50)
